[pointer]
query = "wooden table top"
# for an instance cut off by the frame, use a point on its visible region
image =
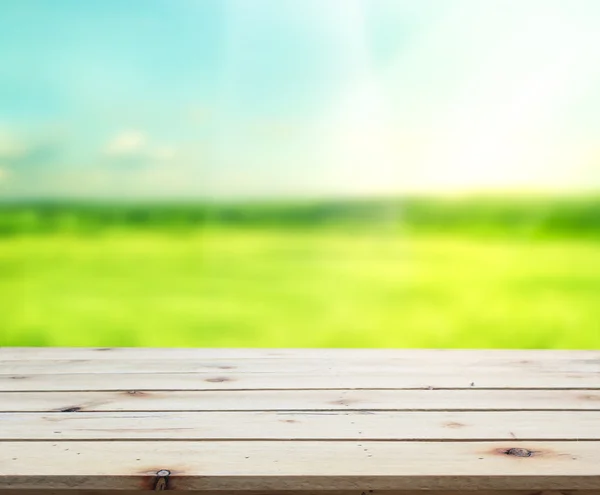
(299, 421)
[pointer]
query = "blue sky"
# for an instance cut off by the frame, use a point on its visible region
(253, 98)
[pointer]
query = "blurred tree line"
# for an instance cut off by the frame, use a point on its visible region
(578, 216)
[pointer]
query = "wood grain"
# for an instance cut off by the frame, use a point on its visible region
(452, 379)
(505, 363)
(456, 356)
(315, 425)
(302, 400)
(300, 422)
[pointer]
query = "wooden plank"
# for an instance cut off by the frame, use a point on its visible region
(294, 365)
(298, 400)
(453, 378)
(314, 425)
(302, 465)
(467, 357)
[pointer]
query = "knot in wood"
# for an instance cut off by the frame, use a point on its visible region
(518, 452)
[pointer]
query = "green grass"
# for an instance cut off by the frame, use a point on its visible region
(271, 287)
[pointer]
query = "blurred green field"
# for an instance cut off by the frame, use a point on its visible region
(253, 284)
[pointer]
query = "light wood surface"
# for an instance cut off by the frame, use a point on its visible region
(338, 363)
(305, 425)
(302, 400)
(479, 356)
(327, 465)
(455, 378)
(299, 422)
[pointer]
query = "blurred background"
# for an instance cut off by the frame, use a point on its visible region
(301, 173)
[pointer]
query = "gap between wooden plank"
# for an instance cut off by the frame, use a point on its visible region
(541, 389)
(287, 440)
(324, 411)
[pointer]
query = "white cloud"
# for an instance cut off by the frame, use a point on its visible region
(127, 143)
(135, 144)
